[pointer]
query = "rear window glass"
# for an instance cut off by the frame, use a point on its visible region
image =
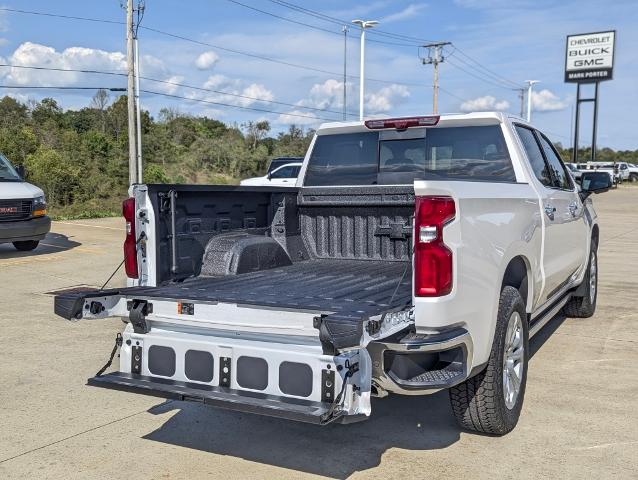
(447, 153)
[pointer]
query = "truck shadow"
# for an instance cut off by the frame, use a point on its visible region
(338, 451)
(52, 243)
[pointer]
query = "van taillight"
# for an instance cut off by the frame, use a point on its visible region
(432, 258)
(130, 243)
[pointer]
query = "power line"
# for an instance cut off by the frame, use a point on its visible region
(177, 84)
(53, 87)
(478, 75)
(248, 97)
(211, 45)
(489, 71)
(263, 110)
(311, 26)
(68, 17)
(416, 41)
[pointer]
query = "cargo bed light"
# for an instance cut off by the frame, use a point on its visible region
(402, 123)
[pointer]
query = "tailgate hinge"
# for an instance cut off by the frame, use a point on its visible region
(137, 316)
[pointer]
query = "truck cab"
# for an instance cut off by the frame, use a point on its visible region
(23, 210)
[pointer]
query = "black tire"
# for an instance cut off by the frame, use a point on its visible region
(584, 306)
(633, 177)
(27, 245)
(479, 403)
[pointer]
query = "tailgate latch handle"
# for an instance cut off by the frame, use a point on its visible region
(137, 316)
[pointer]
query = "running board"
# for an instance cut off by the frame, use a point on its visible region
(550, 313)
(226, 398)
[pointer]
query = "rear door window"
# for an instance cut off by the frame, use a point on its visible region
(534, 155)
(443, 153)
(560, 176)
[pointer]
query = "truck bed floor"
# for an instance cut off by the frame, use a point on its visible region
(350, 288)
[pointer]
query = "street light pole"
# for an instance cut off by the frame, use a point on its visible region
(364, 24)
(530, 83)
(345, 65)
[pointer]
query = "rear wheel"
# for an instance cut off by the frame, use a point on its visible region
(585, 306)
(491, 401)
(633, 177)
(27, 245)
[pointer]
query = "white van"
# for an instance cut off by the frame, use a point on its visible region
(23, 209)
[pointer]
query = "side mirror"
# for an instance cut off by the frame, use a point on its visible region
(269, 175)
(21, 171)
(594, 182)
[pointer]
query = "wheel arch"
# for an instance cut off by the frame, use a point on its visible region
(517, 275)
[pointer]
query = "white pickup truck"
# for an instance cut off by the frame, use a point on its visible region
(415, 254)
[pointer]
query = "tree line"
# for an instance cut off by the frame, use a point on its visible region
(80, 157)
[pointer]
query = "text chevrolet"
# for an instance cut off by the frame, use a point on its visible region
(414, 255)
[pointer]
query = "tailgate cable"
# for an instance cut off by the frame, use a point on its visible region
(335, 407)
(118, 343)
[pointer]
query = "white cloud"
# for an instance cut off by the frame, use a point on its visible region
(483, 104)
(410, 11)
(168, 87)
(33, 54)
(206, 60)
(386, 99)
(546, 101)
(235, 93)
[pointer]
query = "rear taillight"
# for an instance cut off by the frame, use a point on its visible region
(432, 258)
(130, 244)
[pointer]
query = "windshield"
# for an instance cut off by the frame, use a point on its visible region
(386, 158)
(7, 172)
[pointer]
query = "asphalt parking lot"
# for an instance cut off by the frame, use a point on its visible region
(579, 420)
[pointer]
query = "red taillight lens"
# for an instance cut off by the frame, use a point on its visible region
(432, 258)
(130, 243)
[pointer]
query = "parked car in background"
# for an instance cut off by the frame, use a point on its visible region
(23, 209)
(280, 161)
(575, 171)
(415, 255)
(628, 172)
(284, 176)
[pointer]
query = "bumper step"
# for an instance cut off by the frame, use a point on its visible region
(241, 401)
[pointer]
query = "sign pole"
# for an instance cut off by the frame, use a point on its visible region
(576, 122)
(593, 138)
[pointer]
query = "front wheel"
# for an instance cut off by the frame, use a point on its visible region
(491, 401)
(26, 246)
(585, 306)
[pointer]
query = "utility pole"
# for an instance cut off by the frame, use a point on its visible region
(521, 97)
(530, 83)
(344, 29)
(138, 121)
(130, 92)
(434, 58)
(364, 24)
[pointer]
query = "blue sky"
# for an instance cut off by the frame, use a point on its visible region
(514, 40)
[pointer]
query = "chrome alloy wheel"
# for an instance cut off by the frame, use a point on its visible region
(593, 272)
(513, 357)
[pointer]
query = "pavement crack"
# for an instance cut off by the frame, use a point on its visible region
(74, 435)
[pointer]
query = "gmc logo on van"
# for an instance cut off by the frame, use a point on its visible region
(8, 209)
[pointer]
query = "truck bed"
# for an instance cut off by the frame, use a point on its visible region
(350, 288)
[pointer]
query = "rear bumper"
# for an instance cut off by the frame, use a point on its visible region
(23, 230)
(420, 364)
(229, 399)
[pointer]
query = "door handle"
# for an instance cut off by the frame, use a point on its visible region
(549, 211)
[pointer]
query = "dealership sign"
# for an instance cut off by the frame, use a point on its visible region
(590, 57)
